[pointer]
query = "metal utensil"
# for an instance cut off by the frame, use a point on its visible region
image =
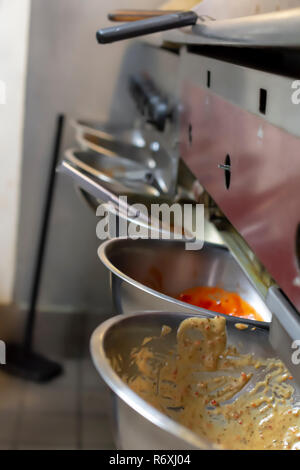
(142, 148)
(120, 176)
(274, 29)
(147, 26)
(217, 9)
(135, 15)
(102, 191)
(143, 174)
(125, 144)
(109, 132)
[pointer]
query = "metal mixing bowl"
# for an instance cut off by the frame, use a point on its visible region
(111, 172)
(150, 274)
(137, 425)
(141, 146)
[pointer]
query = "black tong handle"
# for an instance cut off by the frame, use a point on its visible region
(148, 26)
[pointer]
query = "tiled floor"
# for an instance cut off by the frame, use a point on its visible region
(71, 412)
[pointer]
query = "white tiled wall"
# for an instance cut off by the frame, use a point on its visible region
(14, 25)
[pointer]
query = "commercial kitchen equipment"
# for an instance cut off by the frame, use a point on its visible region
(225, 100)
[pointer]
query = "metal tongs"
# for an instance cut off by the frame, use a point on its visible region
(275, 29)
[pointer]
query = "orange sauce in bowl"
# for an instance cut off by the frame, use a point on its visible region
(219, 300)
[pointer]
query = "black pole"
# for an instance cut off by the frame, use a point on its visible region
(36, 281)
(21, 360)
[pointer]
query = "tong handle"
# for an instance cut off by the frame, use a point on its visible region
(148, 26)
(136, 15)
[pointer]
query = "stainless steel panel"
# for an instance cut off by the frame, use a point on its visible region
(241, 86)
(262, 200)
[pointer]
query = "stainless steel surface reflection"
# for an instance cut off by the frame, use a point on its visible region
(137, 424)
(142, 147)
(126, 144)
(150, 274)
(119, 175)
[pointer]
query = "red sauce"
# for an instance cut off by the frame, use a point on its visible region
(220, 301)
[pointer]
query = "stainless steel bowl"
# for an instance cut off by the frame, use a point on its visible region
(107, 132)
(141, 146)
(137, 425)
(150, 274)
(114, 173)
(115, 145)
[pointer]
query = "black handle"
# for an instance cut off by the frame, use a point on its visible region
(143, 27)
(150, 102)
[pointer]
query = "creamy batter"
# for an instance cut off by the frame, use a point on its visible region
(210, 388)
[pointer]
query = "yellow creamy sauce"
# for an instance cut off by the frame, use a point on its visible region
(197, 383)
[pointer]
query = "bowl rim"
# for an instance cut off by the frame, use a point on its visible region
(73, 156)
(196, 310)
(133, 400)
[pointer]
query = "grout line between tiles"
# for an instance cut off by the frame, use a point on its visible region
(79, 408)
(80, 388)
(20, 412)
